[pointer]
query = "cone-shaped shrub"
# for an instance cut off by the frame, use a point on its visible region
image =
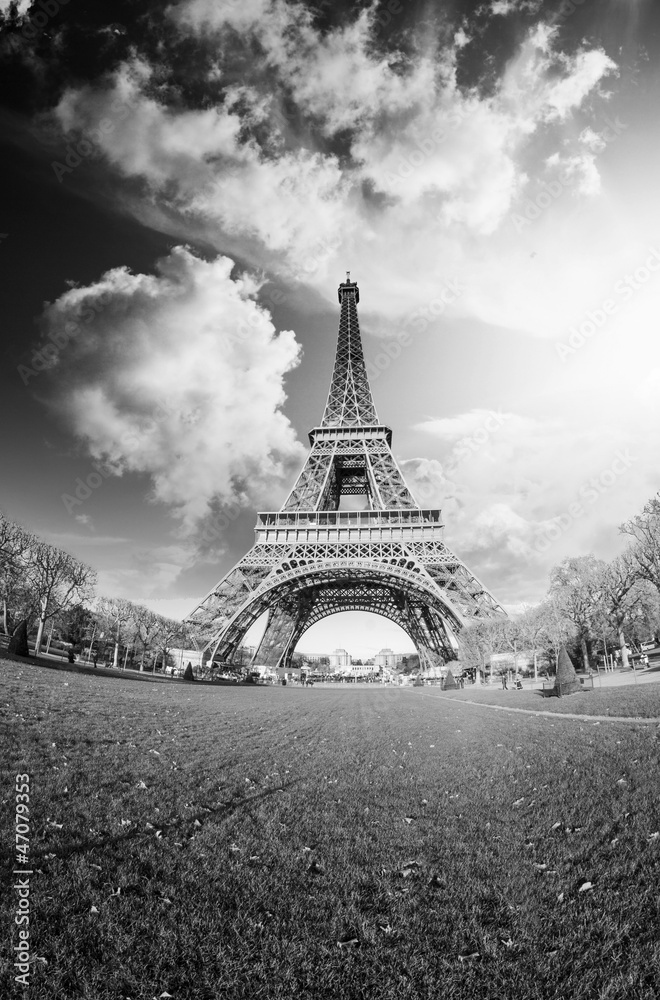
(449, 681)
(18, 643)
(566, 681)
(188, 673)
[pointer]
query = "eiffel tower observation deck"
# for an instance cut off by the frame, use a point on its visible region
(311, 560)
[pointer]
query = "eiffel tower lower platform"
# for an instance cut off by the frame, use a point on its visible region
(311, 559)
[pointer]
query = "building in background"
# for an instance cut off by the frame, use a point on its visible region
(339, 658)
(387, 658)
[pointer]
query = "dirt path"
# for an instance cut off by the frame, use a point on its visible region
(554, 715)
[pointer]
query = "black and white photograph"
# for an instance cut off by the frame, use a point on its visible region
(330, 499)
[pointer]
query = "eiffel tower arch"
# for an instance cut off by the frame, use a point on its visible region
(311, 560)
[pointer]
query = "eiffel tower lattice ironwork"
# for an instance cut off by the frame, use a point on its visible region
(310, 559)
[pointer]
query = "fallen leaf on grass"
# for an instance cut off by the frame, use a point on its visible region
(518, 802)
(540, 868)
(507, 944)
(349, 942)
(560, 897)
(555, 826)
(141, 784)
(469, 958)
(93, 910)
(408, 819)
(585, 887)
(654, 836)
(97, 867)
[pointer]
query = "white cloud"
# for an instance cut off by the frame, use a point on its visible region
(502, 7)
(178, 375)
(516, 499)
(22, 6)
(427, 165)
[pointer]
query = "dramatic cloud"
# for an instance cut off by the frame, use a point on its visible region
(178, 375)
(331, 153)
(516, 500)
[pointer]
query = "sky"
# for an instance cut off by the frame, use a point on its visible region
(185, 187)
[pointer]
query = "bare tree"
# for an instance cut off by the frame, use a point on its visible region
(170, 633)
(644, 528)
(577, 586)
(148, 625)
(477, 643)
(628, 599)
(532, 625)
(15, 545)
(58, 580)
(117, 614)
(557, 629)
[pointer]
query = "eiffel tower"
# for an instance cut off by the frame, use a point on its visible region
(311, 560)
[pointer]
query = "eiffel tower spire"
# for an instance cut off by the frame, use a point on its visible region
(350, 403)
(351, 451)
(311, 559)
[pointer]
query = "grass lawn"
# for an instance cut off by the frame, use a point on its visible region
(269, 842)
(636, 701)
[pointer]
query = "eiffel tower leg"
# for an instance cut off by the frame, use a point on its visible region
(276, 646)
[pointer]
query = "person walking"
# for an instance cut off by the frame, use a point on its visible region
(504, 687)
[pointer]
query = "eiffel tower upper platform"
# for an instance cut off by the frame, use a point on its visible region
(310, 559)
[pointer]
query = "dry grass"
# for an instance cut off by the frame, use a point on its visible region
(634, 701)
(273, 829)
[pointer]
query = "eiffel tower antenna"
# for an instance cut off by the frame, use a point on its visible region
(311, 559)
